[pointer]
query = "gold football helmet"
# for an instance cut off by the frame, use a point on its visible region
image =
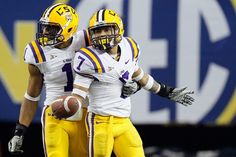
(105, 18)
(58, 24)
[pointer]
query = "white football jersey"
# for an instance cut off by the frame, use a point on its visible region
(56, 65)
(105, 77)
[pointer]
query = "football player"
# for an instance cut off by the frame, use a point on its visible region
(101, 70)
(50, 60)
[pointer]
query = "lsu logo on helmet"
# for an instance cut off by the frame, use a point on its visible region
(106, 18)
(57, 24)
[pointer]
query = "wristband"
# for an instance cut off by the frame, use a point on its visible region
(158, 89)
(140, 76)
(165, 90)
(20, 129)
(149, 83)
(79, 92)
(27, 96)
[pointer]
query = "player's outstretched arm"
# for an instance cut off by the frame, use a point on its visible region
(28, 109)
(180, 95)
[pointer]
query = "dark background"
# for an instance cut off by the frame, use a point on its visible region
(185, 138)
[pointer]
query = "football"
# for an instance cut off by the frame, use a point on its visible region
(65, 106)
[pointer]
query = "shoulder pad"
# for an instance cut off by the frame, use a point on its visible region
(34, 53)
(86, 38)
(82, 38)
(134, 47)
(88, 62)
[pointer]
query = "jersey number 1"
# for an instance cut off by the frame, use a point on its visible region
(69, 74)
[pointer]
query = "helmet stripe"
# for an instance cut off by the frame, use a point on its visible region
(97, 15)
(103, 14)
(45, 12)
(100, 15)
(51, 8)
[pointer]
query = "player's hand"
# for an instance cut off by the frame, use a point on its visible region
(15, 144)
(182, 96)
(130, 88)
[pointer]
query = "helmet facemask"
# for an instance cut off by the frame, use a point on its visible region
(49, 34)
(105, 42)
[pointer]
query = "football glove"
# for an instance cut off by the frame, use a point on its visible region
(179, 95)
(130, 88)
(15, 144)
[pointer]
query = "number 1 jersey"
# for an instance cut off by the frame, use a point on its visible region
(56, 65)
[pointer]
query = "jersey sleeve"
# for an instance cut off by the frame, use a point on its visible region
(81, 81)
(33, 53)
(83, 65)
(29, 57)
(134, 47)
(85, 72)
(88, 62)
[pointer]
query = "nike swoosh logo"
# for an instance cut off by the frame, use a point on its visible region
(52, 56)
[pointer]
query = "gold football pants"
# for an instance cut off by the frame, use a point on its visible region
(63, 138)
(107, 133)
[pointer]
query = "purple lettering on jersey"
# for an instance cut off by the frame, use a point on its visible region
(81, 62)
(69, 74)
(124, 77)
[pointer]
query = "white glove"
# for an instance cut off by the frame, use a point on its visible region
(130, 88)
(182, 96)
(15, 144)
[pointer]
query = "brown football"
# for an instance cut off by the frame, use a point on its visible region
(65, 106)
